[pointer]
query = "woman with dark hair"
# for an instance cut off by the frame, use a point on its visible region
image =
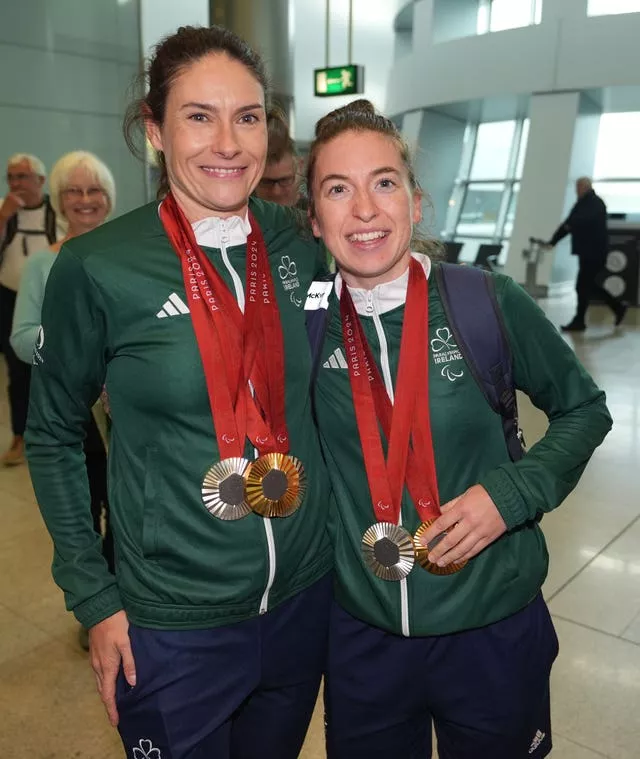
(210, 639)
(439, 619)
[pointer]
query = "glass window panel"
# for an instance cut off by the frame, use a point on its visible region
(617, 154)
(620, 197)
(467, 152)
(524, 139)
(612, 7)
(511, 211)
(480, 209)
(475, 241)
(493, 147)
(510, 14)
(471, 248)
(484, 14)
(538, 12)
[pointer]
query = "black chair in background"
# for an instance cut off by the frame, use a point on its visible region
(452, 251)
(487, 257)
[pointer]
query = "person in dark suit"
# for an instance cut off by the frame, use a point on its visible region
(587, 225)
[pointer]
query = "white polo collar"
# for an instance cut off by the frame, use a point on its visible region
(214, 232)
(384, 297)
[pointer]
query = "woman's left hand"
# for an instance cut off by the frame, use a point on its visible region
(473, 522)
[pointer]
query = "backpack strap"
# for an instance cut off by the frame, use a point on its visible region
(316, 309)
(470, 304)
(10, 231)
(49, 221)
(49, 231)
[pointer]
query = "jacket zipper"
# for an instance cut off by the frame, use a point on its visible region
(268, 527)
(386, 374)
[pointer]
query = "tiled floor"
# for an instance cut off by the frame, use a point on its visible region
(48, 705)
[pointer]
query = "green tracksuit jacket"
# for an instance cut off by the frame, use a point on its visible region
(469, 449)
(108, 317)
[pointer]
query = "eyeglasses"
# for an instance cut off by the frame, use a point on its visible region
(284, 182)
(77, 193)
(19, 177)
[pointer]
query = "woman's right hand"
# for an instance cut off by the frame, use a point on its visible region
(110, 645)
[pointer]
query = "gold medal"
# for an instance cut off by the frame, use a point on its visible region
(276, 485)
(388, 551)
(224, 489)
(422, 552)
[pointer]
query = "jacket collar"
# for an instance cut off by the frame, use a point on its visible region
(587, 196)
(384, 297)
(214, 232)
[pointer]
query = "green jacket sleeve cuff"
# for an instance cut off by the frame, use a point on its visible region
(99, 607)
(507, 498)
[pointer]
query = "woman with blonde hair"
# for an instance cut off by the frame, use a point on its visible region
(83, 193)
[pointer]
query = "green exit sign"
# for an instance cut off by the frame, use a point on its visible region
(340, 80)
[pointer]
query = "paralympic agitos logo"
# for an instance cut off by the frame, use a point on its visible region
(288, 272)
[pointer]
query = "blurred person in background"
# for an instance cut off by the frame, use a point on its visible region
(83, 194)
(27, 224)
(587, 225)
(280, 182)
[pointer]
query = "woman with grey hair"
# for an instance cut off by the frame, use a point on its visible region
(83, 193)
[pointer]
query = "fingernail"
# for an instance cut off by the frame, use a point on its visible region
(442, 563)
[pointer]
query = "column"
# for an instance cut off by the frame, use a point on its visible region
(265, 26)
(441, 141)
(561, 148)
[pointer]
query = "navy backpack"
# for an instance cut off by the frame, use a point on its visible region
(469, 299)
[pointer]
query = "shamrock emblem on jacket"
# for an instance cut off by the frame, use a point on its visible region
(443, 340)
(288, 268)
(146, 750)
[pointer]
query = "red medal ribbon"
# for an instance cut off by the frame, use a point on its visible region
(235, 348)
(408, 417)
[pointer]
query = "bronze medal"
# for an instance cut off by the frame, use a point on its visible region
(276, 485)
(422, 552)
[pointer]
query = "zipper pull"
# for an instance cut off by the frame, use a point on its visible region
(369, 305)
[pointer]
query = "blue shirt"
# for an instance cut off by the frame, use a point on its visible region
(26, 317)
